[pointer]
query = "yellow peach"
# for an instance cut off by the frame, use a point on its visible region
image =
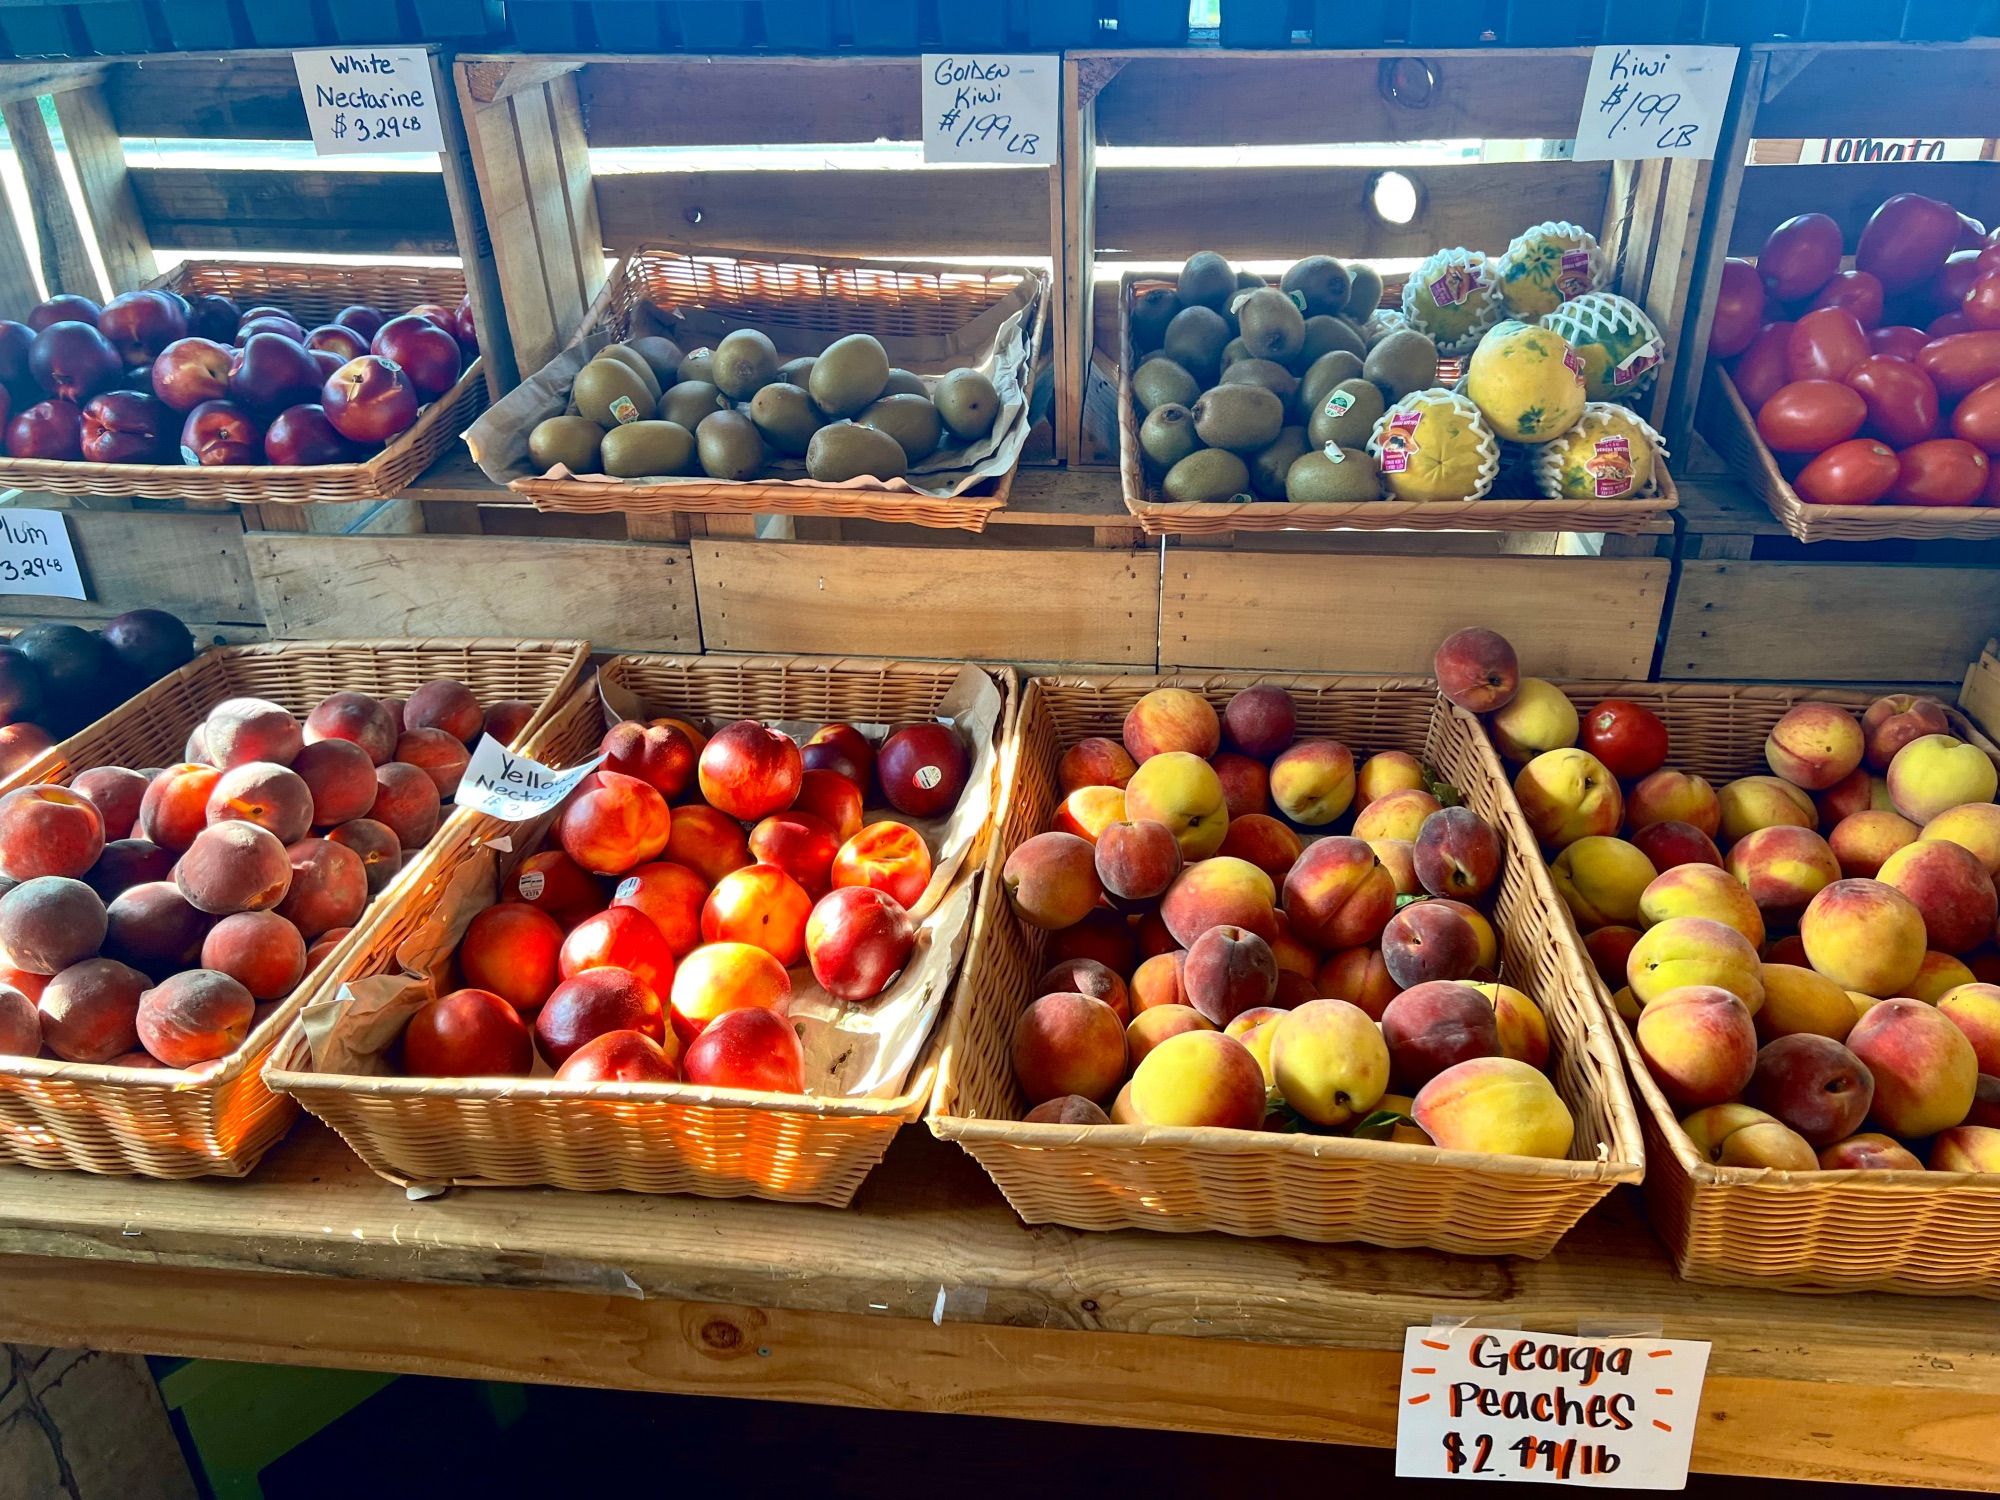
(1330, 1062)
(1695, 950)
(1538, 718)
(1935, 773)
(1799, 1001)
(1864, 935)
(1496, 1106)
(1182, 791)
(1701, 891)
(1567, 795)
(1600, 880)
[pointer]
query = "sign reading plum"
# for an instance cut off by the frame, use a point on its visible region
(370, 99)
(36, 556)
(989, 109)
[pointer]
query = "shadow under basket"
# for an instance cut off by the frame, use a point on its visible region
(1935, 1233)
(219, 1119)
(1253, 1182)
(647, 1138)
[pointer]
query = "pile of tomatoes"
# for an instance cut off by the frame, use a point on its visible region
(1880, 383)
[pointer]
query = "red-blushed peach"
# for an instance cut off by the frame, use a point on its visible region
(1701, 891)
(1433, 1026)
(1891, 722)
(1858, 791)
(1925, 1070)
(329, 887)
(49, 830)
(857, 940)
(1172, 719)
(1789, 949)
(381, 852)
(1864, 935)
(1256, 1029)
(1110, 939)
(1783, 868)
(1313, 782)
(1671, 796)
(1217, 892)
(1863, 841)
(89, 1010)
(801, 845)
(1395, 815)
(175, 807)
(707, 842)
(1567, 795)
(591, 1003)
(1385, 772)
(152, 927)
(447, 705)
(1608, 948)
(888, 856)
(618, 938)
(1293, 953)
(1457, 854)
(1814, 745)
(506, 719)
(1427, 941)
(1149, 1028)
(1975, 1010)
(749, 771)
(20, 744)
(1068, 1044)
(407, 800)
(1539, 718)
(1973, 826)
(1488, 961)
(267, 794)
(1496, 1107)
(1358, 976)
(232, 867)
(115, 791)
(51, 922)
(1086, 976)
(1967, 1148)
(244, 729)
(193, 1017)
(1477, 669)
(1935, 773)
(1736, 1135)
(1937, 976)
(1812, 1084)
(467, 1034)
(1985, 1102)
(1339, 895)
(1264, 842)
(1798, 1002)
(1950, 888)
(1399, 857)
(672, 895)
(1182, 791)
(356, 718)
(1695, 950)
(1137, 861)
(1229, 970)
(1868, 1152)
(1524, 1030)
(1753, 802)
(1626, 1004)
(619, 823)
(661, 755)
(1671, 844)
(1600, 880)
(512, 950)
(1294, 989)
(1095, 761)
(321, 950)
(393, 707)
(1246, 784)
(833, 799)
(20, 1024)
(1051, 880)
(1197, 1078)
(1070, 1109)
(760, 905)
(1157, 981)
(1089, 810)
(719, 977)
(437, 754)
(1330, 1061)
(622, 1057)
(260, 950)
(1699, 1044)
(340, 779)
(126, 863)
(1261, 720)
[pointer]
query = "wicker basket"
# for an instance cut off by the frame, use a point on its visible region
(1851, 1231)
(313, 294)
(1263, 1183)
(649, 1138)
(1211, 518)
(160, 1123)
(817, 300)
(1730, 429)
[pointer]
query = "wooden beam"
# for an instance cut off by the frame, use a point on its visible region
(1076, 266)
(297, 210)
(65, 251)
(1892, 91)
(98, 158)
(489, 80)
(174, 97)
(720, 101)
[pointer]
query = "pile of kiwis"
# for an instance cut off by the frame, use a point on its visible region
(643, 409)
(1245, 388)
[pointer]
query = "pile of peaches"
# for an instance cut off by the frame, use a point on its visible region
(1807, 958)
(151, 918)
(690, 874)
(1218, 965)
(153, 377)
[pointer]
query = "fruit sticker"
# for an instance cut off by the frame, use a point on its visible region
(1637, 363)
(1400, 441)
(1573, 280)
(1335, 452)
(1575, 363)
(624, 409)
(1298, 298)
(1339, 403)
(1455, 284)
(533, 882)
(1610, 466)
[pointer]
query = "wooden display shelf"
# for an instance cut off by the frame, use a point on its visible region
(929, 1295)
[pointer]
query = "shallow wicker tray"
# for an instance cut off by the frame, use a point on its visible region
(164, 1123)
(1159, 517)
(1848, 1231)
(1726, 422)
(1252, 1182)
(648, 1138)
(821, 298)
(311, 292)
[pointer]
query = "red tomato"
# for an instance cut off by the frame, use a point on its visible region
(1907, 239)
(1859, 471)
(1950, 323)
(1824, 345)
(1954, 279)
(1988, 260)
(1739, 310)
(1628, 738)
(1960, 362)
(1760, 369)
(1977, 418)
(1858, 292)
(1982, 302)
(1944, 471)
(1898, 339)
(1800, 256)
(1902, 402)
(1810, 416)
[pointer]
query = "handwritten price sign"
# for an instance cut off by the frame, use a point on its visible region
(369, 99)
(513, 787)
(1483, 1403)
(36, 556)
(991, 109)
(1654, 101)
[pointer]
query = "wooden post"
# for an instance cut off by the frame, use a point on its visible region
(475, 243)
(66, 263)
(1075, 272)
(98, 156)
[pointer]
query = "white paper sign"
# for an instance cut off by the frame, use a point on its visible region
(996, 109)
(36, 556)
(1654, 101)
(363, 99)
(512, 787)
(1486, 1403)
